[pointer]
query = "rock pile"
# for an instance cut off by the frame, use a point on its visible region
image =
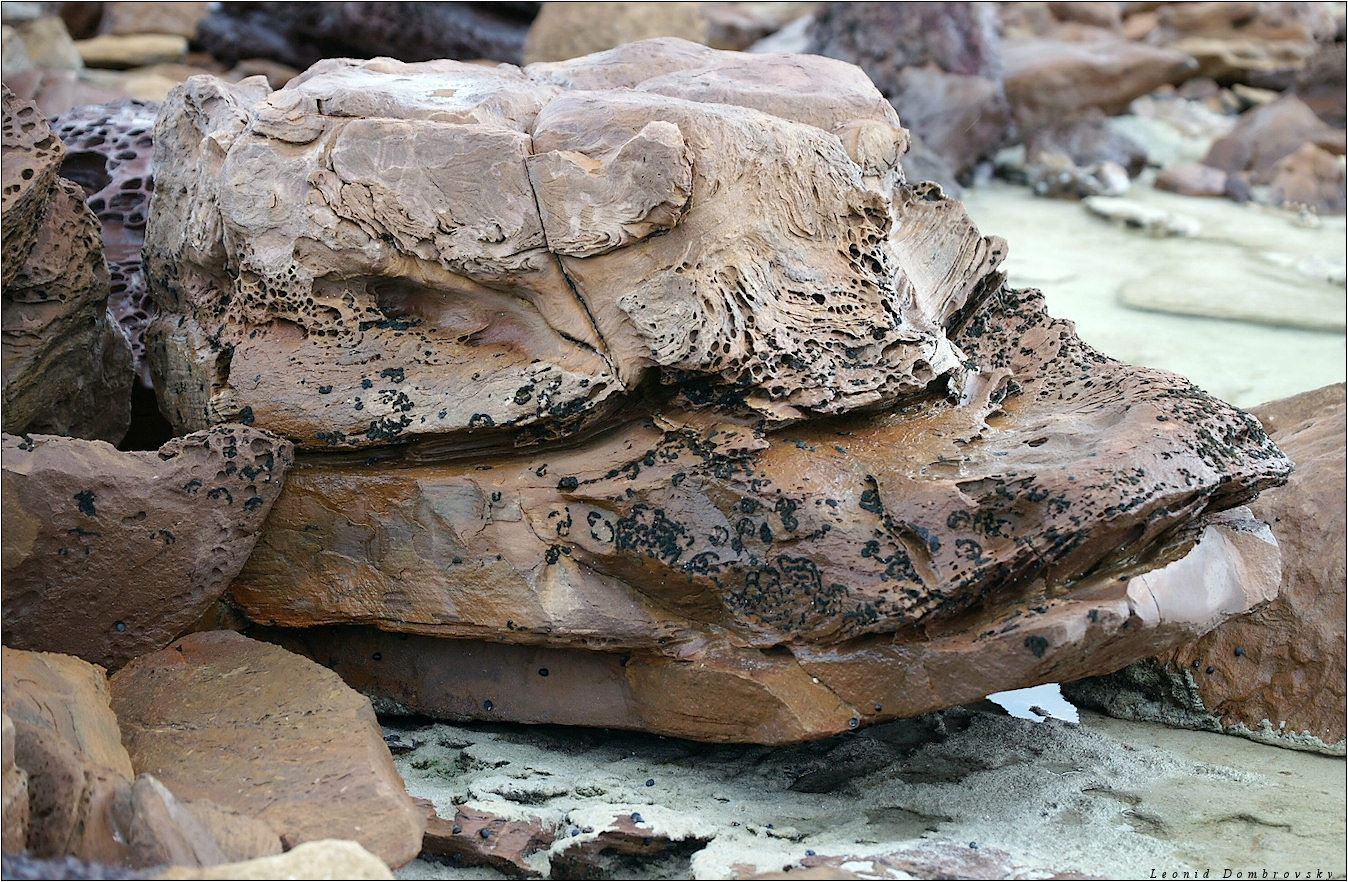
(734, 474)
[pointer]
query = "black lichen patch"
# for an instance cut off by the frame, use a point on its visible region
(1036, 644)
(85, 501)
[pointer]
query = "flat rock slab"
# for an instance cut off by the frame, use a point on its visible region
(261, 731)
(109, 555)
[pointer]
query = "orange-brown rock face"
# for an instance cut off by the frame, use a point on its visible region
(699, 408)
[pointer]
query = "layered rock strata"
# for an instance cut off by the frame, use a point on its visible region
(700, 409)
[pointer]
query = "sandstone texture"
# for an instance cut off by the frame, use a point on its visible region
(708, 413)
(262, 732)
(108, 153)
(1275, 674)
(301, 35)
(67, 366)
(1236, 42)
(65, 739)
(939, 65)
(14, 787)
(109, 555)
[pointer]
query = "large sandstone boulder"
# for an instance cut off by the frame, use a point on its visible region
(701, 410)
(109, 555)
(261, 731)
(67, 366)
(1243, 41)
(1274, 675)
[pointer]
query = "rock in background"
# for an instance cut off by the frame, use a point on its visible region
(67, 363)
(110, 555)
(1276, 674)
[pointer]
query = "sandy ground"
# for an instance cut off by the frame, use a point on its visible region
(1102, 797)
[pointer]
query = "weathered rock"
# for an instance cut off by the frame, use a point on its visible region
(1309, 178)
(1233, 41)
(577, 339)
(1321, 83)
(739, 25)
(108, 153)
(569, 30)
(1056, 176)
(66, 740)
(119, 52)
(321, 859)
(14, 787)
(937, 63)
(109, 555)
(1153, 221)
(1276, 674)
(159, 829)
(1048, 80)
(479, 838)
(1267, 134)
(408, 31)
(817, 466)
(217, 710)
(67, 366)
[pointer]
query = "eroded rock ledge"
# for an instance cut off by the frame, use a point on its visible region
(811, 463)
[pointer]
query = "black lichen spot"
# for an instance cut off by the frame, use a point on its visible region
(542, 672)
(168, 537)
(246, 416)
(324, 390)
(387, 428)
(1037, 645)
(120, 627)
(366, 383)
(394, 374)
(1210, 670)
(481, 421)
(489, 704)
(221, 492)
(870, 501)
(570, 482)
(252, 503)
(523, 394)
(1240, 650)
(85, 500)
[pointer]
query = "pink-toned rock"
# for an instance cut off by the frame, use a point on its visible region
(1267, 134)
(628, 834)
(14, 787)
(265, 733)
(1192, 179)
(1276, 674)
(109, 555)
(128, 18)
(931, 859)
(67, 742)
(1049, 80)
(66, 366)
(1309, 178)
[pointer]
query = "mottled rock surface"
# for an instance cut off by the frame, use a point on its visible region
(67, 366)
(65, 738)
(408, 31)
(109, 555)
(108, 153)
(161, 830)
(14, 787)
(1276, 674)
(263, 732)
(814, 465)
(939, 65)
